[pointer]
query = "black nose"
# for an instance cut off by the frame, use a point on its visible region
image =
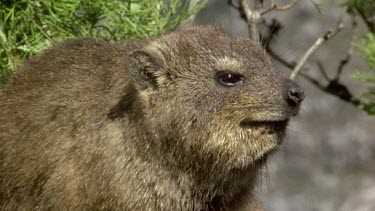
(294, 94)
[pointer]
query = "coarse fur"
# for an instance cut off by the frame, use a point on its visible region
(89, 125)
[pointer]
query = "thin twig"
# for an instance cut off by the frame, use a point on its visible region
(349, 53)
(312, 49)
(328, 35)
(273, 29)
(313, 81)
(369, 24)
(278, 58)
(252, 18)
(334, 87)
(340, 90)
(291, 65)
(323, 70)
(234, 4)
(274, 6)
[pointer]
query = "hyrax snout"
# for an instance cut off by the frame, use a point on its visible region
(294, 94)
(180, 122)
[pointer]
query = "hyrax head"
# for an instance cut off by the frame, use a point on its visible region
(208, 95)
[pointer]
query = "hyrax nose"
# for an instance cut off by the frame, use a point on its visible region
(294, 94)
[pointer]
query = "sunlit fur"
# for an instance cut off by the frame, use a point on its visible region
(92, 126)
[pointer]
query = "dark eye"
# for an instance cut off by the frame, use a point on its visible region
(229, 79)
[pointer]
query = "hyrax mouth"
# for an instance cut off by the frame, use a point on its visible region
(270, 126)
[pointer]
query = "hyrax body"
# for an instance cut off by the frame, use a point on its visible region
(180, 122)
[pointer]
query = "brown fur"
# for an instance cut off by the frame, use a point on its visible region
(89, 125)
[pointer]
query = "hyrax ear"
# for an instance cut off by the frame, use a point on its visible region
(146, 69)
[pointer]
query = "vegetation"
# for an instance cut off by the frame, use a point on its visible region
(366, 10)
(368, 97)
(367, 7)
(28, 26)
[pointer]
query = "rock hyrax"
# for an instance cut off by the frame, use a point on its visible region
(179, 122)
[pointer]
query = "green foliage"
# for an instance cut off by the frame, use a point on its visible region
(367, 6)
(28, 26)
(368, 98)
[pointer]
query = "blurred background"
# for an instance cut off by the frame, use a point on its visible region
(327, 161)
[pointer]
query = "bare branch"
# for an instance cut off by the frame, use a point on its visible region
(328, 35)
(278, 58)
(273, 29)
(252, 18)
(349, 53)
(312, 49)
(323, 70)
(234, 4)
(340, 90)
(275, 7)
(334, 86)
(313, 81)
(291, 65)
(369, 24)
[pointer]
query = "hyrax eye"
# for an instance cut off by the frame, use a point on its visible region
(229, 79)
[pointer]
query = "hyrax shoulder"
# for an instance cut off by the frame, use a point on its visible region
(179, 122)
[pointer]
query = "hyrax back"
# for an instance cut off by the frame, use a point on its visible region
(180, 122)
